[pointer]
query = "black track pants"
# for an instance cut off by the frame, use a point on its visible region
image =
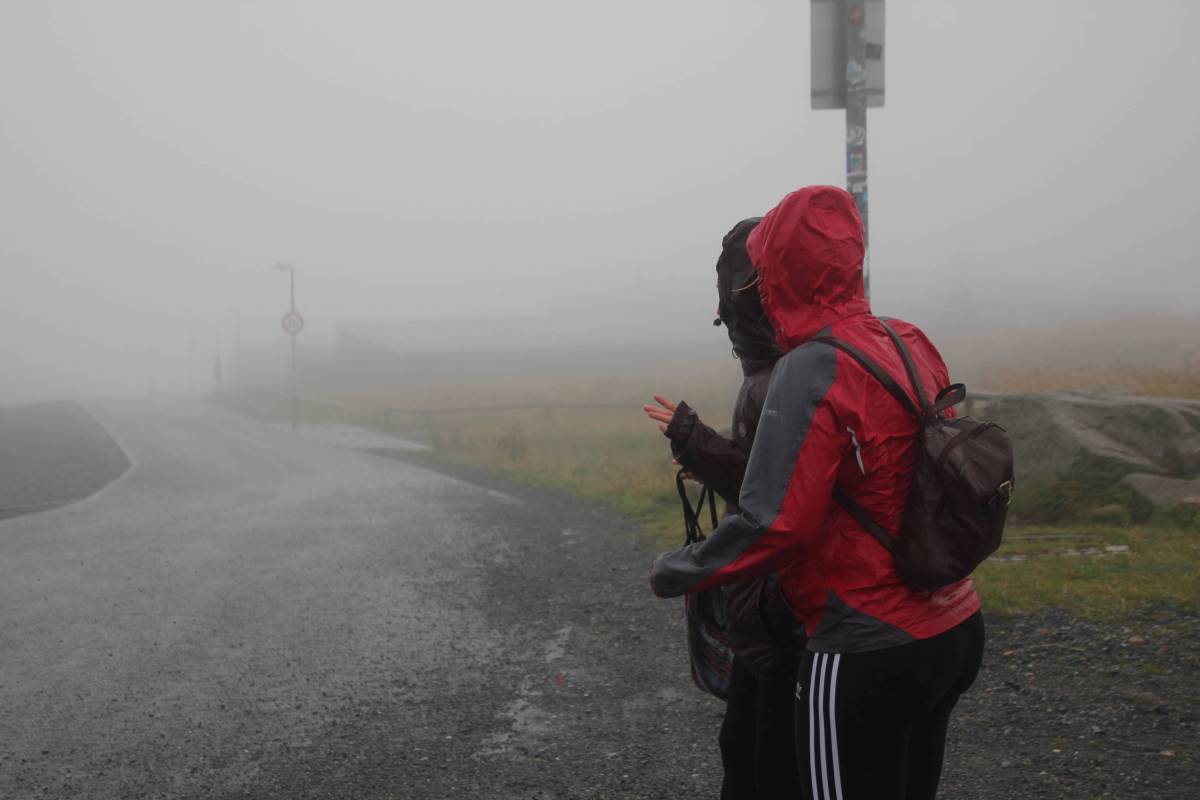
(872, 726)
(758, 750)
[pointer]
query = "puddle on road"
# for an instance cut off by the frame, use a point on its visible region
(357, 438)
(556, 648)
(526, 722)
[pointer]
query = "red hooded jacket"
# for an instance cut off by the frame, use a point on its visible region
(825, 422)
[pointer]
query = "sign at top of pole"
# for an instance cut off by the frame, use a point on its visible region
(830, 21)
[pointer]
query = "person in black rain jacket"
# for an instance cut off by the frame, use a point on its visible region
(757, 736)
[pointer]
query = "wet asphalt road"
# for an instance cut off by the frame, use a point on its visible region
(251, 613)
(248, 613)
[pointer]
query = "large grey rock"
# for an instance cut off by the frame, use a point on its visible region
(1092, 436)
(1164, 492)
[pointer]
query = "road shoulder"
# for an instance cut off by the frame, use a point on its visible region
(51, 455)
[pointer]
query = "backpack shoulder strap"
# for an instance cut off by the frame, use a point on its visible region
(876, 372)
(860, 514)
(909, 367)
(864, 519)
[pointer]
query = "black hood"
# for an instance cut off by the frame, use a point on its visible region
(740, 308)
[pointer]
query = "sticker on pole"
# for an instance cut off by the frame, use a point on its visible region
(293, 323)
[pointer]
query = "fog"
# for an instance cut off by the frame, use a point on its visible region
(539, 171)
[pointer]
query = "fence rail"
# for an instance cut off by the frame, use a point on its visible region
(974, 400)
(426, 414)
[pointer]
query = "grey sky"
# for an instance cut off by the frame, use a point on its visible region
(476, 159)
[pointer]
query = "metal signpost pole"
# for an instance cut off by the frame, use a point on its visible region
(856, 118)
(848, 72)
(292, 274)
(236, 376)
(293, 323)
(191, 354)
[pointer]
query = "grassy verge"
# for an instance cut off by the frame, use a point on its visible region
(1096, 568)
(612, 456)
(1094, 571)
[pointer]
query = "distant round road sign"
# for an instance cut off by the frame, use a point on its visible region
(293, 323)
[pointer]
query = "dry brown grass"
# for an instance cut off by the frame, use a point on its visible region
(1153, 382)
(712, 382)
(1138, 354)
(612, 454)
(615, 455)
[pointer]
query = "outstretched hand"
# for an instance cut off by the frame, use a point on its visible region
(661, 413)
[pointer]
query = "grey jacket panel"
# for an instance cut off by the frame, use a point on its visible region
(679, 572)
(847, 630)
(799, 383)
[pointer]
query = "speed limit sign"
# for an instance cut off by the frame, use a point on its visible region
(293, 323)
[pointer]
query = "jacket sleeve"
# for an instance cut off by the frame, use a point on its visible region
(719, 462)
(788, 489)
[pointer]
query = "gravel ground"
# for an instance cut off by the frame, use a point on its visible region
(367, 630)
(605, 709)
(1065, 708)
(586, 695)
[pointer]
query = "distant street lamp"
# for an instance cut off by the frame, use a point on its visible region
(293, 323)
(236, 356)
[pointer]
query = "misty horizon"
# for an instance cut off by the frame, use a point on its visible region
(557, 166)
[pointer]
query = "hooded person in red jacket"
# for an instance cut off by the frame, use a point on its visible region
(885, 664)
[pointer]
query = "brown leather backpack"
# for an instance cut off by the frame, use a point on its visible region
(962, 483)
